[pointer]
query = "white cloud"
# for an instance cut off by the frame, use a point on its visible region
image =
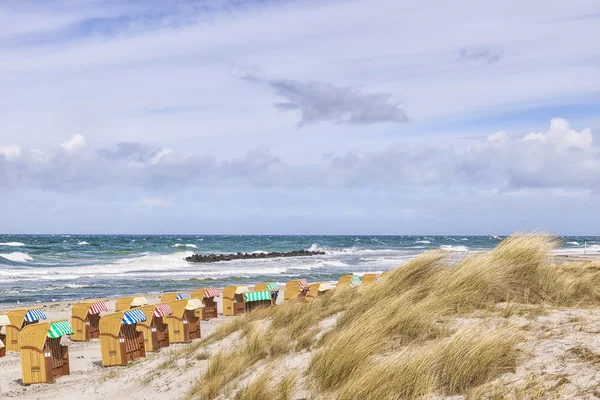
(152, 202)
(73, 145)
(11, 152)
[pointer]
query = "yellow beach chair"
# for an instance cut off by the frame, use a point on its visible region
(233, 300)
(154, 328)
(85, 319)
(296, 290)
(318, 289)
(43, 358)
(348, 281)
(172, 296)
(18, 320)
(120, 342)
(207, 296)
(370, 279)
(184, 323)
(129, 302)
(4, 321)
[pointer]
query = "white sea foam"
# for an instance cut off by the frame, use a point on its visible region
(423, 241)
(464, 239)
(179, 245)
(454, 248)
(573, 243)
(83, 243)
(259, 252)
(13, 244)
(17, 256)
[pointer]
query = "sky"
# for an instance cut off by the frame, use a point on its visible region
(299, 117)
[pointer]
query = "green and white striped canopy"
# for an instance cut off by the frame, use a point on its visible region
(59, 328)
(272, 286)
(256, 296)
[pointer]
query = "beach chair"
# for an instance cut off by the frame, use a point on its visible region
(296, 290)
(43, 358)
(4, 321)
(272, 287)
(256, 299)
(172, 296)
(85, 319)
(233, 300)
(184, 323)
(370, 279)
(154, 328)
(18, 320)
(318, 289)
(129, 302)
(120, 342)
(207, 296)
(348, 281)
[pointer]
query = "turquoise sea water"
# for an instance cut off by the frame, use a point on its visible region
(70, 267)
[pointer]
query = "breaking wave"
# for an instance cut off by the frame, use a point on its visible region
(13, 244)
(17, 256)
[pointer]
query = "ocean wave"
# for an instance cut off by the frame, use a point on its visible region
(573, 243)
(180, 245)
(82, 243)
(423, 241)
(454, 248)
(17, 256)
(464, 239)
(13, 244)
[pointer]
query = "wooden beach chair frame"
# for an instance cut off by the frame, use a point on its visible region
(296, 290)
(210, 309)
(119, 342)
(17, 323)
(86, 324)
(130, 302)
(233, 300)
(154, 329)
(370, 279)
(184, 323)
(43, 358)
(318, 289)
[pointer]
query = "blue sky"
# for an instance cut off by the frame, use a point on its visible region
(374, 117)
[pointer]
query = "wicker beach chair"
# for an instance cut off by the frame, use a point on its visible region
(233, 300)
(172, 296)
(154, 328)
(85, 319)
(184, 323)
(296, 290)
(129, 302)
(207, 296)
(120, 342)
(43, 358)
(348, 281)
(19, 319)
(370, 279)
(318, 289)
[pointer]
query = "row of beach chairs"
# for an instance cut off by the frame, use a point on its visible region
(136, 327)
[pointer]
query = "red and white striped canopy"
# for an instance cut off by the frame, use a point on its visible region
(98, 307)
(211, 292)
(303, 285)
(162, 309)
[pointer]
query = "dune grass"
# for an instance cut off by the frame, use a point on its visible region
(395, 339)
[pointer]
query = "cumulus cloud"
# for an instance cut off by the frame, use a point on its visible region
(560, 157)
(486, 54)
(10, 152)
(318, 102)
(74, 144)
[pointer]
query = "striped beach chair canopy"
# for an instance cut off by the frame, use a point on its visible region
(272, 286)
(355, 281)
(60, 328)
(257, 296)
(241, 289)
(4, 320)
(133, 317)
(162, 309)
(182, 296)
(194, 304)
(35, 314)
(212, 292)
(139, 301)
(303, 285)
(98, 307)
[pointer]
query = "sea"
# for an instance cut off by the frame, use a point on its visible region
(47, 268)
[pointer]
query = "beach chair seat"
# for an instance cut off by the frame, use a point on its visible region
(296, 290)
(120, 342)
(154, 328)
(184, 323)
(18, 320)
(85, 319)
(233, 300)
(43, 358)
(207, 296)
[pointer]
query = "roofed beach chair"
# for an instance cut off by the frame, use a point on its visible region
(18, 320)
(43, 358)
(296, 290)
(370, 279)
(85, 319)
(4, 321)
(129, 302)
(207, 296)
(270, 286)
(348, 281)
(154, 328)
(257, 299)
(318, 289)
(233, 300)
(172, 296)
(120, 342)
(184, 323)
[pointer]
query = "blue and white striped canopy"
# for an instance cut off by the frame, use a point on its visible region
(35, 315)
(133, 317)
(182, 296)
